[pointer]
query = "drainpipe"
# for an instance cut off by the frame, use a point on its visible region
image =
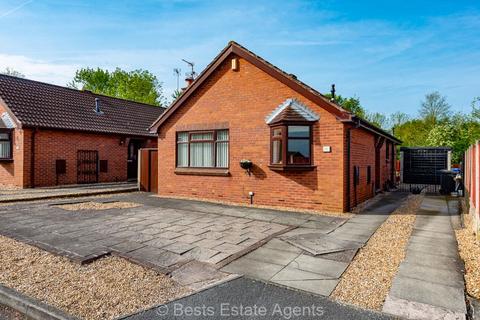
(32, 158)
(349, 143)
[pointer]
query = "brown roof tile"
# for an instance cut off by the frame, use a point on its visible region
(38, 104)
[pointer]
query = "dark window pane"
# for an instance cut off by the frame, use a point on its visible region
(298, 131)
(299, 151)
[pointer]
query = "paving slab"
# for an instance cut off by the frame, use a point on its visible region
(159, 242)
(323, 287)
(200, 254)
(323, 226)
(431, 274)
(319, 243)
(408, 309)
(179, 247)
(348, 236)
(450, 298)
(440, 241)
(433, 234)
(218, 258)
(319, 265)
(426, 247)
(275, 256)
(387, 204)
(279, 244)
(127, 246)
(194, 272)
(434, 261)
(257, 269)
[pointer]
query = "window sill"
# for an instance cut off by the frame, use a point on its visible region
(6, 160)
(203, 172)
(292, 168)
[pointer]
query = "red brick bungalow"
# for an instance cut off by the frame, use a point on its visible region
(51, 135)
(307, 152)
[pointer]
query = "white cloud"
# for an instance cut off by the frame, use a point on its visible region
(39, 69)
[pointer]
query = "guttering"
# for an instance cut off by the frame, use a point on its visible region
(349, 142)
(32, 158)
(371, 127)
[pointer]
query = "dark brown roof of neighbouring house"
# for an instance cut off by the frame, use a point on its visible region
(38, 104)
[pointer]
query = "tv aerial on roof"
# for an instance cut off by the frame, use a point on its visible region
(192, 74)
(176, 73)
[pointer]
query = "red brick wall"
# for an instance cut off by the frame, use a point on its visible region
(11, 172)
(51, 145)
(244, 99)
(9, 169)
(362, 155)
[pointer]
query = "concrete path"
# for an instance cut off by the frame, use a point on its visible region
(314, 259)
(7, 196)
(249, 299)
(429, 283)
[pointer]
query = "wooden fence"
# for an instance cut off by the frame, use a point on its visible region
(472, 183)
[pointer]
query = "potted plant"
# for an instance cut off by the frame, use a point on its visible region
(247, 165)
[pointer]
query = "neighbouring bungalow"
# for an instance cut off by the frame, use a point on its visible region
(52, 135)
(305, 151)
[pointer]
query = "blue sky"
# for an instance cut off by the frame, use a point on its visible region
(388, 53)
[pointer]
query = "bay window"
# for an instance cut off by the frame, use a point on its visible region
(291, 146)
(203, 149)
(5, 145)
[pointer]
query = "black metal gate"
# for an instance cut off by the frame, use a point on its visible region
(87, 166)
(421, 167)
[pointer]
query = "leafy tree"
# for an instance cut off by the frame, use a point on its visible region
(377, 118)
(12, 72)
(413, 133)
(458, 133)
(137, 85)
(476, 108)
(398, 118)
(434, 108)
(176, 94)
(351, 104)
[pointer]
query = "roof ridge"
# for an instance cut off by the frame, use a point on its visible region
(238, 49)
(77, 90)
(291, 77)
